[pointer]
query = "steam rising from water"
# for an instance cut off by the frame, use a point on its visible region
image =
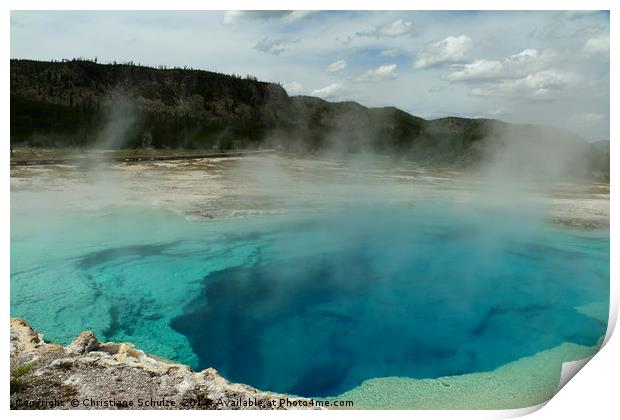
(120, 116)
(437, 271)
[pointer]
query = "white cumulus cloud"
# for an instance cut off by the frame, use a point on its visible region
(449, 50)
(394, 29)
(477, 70)
(597, 45)
(328, 91)
(516, 66)
(386, 71)
(272, 46)
(336, 66)
(530, 60)
(541, 85)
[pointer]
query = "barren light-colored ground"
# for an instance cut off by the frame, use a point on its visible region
(231, 187)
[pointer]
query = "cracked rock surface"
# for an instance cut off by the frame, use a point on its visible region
(88, 374)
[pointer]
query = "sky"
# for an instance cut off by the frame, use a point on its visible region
(544, 67)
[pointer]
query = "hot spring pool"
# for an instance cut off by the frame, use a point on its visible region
(313, 305)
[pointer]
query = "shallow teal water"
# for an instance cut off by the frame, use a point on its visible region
(315, 305)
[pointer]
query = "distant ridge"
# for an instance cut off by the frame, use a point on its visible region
(80, 103)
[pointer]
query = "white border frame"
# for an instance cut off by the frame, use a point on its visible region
(593, 393)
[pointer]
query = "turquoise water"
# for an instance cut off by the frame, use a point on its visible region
(313, 305)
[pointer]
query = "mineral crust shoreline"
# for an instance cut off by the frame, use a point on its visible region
(88, 374)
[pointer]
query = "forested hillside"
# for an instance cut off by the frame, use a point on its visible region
(80, 103)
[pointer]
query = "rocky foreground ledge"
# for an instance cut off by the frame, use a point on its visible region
(88, 374)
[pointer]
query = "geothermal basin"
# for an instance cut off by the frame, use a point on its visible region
(319, 278)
